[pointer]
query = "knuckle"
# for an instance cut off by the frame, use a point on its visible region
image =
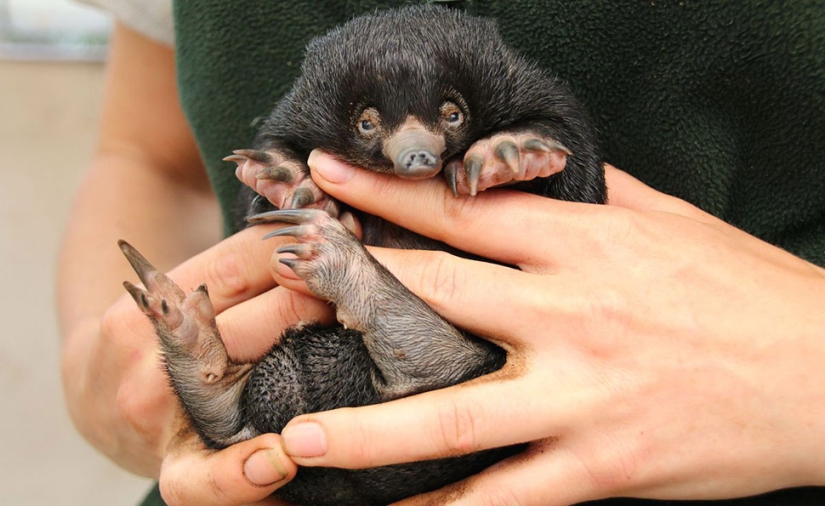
(119, 319)
(610, 305)
(126, 360)
(110, 323)
(171, 490)
(290, 310)
(604, 314)
(179, 486)
(140, 398)
(459, 424)
(613, 478)
(460, 212)
(133, 403)
(440, 280)
(127, 404)
(360, 450)
(226, 274)
(616, 230)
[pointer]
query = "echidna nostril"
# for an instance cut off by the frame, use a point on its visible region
(417, 163)
(420, 159)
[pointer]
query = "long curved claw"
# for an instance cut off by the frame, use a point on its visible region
(294, 216)
(472, 168)
(154, 280)
(256, 155)
(297, 231)
(507, 152)
(298, 249)
(235, 158)
(137, 294)
(280, 173)
(139, 263)
(536, 145)
(545, 146)
(555, 146)
(302, 198)
(451, 174)
(289, 262)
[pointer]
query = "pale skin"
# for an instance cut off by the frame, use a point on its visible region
(654, 350)
(146, 184)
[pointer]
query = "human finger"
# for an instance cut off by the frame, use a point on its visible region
(626, 191)
(459, 290)
(268, 315)
(239, 474)
(542, 475)
(250, 322)
(442, 423)
(489, 224)
(236, 269)
(454, 288)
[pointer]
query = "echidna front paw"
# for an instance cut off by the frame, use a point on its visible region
(285, 182)
(505, 158)
(326, 250)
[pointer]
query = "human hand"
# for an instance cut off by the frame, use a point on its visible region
(653, 350)
(138, 421)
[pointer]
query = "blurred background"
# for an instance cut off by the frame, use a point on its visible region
(51, 80)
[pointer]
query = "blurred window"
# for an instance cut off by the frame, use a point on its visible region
(52, 30)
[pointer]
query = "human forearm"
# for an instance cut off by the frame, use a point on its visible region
(145, 184)
(120, 198)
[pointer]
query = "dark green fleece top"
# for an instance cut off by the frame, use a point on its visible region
(719, 102)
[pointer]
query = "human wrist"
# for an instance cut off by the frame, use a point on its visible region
(113, 402)
(78, 345)
(816, 451)
(804, 389)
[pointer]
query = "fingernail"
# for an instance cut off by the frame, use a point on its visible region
(330, 169)
(304, 440)
(264, 467)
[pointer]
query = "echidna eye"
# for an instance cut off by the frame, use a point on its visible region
(452, 114)
(368, 122)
